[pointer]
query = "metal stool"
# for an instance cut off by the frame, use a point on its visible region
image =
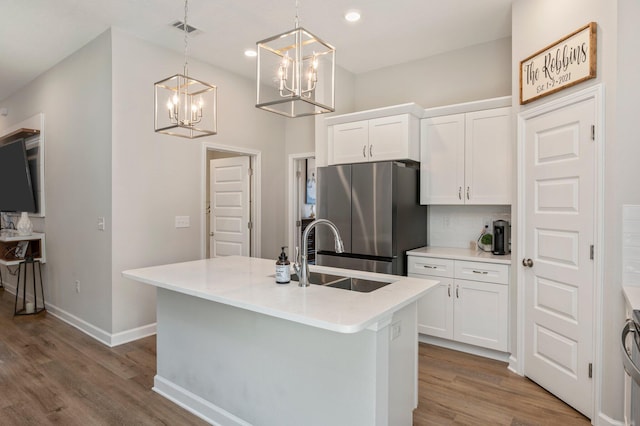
(36, 310)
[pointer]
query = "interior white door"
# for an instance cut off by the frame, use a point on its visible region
(559, 232)
(230, 205)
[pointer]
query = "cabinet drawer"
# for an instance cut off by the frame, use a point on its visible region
(481, 271)
(430, 266)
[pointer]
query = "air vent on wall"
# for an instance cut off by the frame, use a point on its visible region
(180, 26)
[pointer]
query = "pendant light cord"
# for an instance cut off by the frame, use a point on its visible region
(186, 34)
(297, 19)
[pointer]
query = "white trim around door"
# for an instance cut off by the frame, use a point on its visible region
(256, 184)
(596, 93)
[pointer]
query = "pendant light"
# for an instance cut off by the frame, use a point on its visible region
(295, 73)
(184, 106)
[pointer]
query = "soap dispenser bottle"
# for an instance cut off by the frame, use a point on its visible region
(283, 273)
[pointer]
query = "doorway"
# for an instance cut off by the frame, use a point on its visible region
(302, 208)
(559, 278)
(231, 200)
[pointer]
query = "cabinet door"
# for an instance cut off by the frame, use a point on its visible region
(442, 160)
(481, 314)
(435, 309)
(488, 152)
(389, 138)
(350, 143)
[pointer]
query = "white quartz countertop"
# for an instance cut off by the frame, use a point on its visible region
(632, 294)
(249, 283)
(461, 254)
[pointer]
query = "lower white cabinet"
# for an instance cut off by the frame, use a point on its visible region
(469, 306)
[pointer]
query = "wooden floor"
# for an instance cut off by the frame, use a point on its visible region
(51, 373)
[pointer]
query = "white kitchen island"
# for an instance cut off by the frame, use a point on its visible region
(235, 348)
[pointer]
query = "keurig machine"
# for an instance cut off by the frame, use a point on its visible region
(501, 235)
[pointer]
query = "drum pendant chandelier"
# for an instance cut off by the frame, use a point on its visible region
(295, 73)
(184, 106)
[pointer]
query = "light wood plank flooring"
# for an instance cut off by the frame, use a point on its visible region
(51, 373)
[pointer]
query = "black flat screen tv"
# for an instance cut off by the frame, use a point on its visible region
(16, 191)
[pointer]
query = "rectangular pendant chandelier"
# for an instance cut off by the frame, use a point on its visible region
(295, 74)
(185, 107)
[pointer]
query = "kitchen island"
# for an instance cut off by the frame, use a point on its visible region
(235, 348)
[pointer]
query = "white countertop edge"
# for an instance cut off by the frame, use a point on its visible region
(460, 254)
(632, 295)
(369, 323)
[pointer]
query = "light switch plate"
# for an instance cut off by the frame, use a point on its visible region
(183, 222)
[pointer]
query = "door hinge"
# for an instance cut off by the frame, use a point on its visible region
(298, 223)
(250, 170)
(593, 132)
(298, 174)
(590, 370)
(591, 252)
(250, 225)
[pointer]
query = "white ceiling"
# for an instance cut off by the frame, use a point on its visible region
(36, 34)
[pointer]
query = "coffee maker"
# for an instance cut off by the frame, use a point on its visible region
(501, 237)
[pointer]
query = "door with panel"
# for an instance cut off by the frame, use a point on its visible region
(230, 204)
(442, 160)
(559, 160)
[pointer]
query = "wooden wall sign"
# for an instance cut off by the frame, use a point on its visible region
(562, 64)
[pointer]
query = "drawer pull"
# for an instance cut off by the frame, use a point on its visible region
(429, 266)
(480, 272)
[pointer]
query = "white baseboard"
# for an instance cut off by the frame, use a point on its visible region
(604, 420)
(463, 347)
(196, 405)
(513, 365)
(91, 330)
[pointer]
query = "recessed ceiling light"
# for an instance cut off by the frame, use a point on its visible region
(251, 53)
(352, 16)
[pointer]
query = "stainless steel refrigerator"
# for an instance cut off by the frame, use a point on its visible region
(376, 209)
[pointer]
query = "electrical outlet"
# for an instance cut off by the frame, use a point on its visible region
(395, 330)
(183, 222)
(100, 223)
(77, 286)
(488, 223)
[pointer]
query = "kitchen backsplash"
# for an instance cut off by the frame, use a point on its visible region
(630, 245)
(457, 226)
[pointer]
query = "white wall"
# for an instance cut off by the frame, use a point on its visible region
(458, 226)
(75, 97)
(157, 177)
(473, 73)
(536, 24)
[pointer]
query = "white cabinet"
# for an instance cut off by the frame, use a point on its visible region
(466, 158)
(469, 306)
(379, 139)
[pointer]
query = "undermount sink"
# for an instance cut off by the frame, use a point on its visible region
(346, 283)
(320, 278)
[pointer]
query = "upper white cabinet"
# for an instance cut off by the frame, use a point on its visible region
(385, 136)
(466, 158)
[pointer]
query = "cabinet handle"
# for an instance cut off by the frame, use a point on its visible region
(467, 192)
(480, 272)
(364, 151)
(457, 294)
(449, 290)
(370, 151)
(459, 193)
(428, 266)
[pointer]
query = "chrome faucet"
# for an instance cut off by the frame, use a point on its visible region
(301, 266)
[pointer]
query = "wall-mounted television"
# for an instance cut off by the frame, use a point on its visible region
(16, 190)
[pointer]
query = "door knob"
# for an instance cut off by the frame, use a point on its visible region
(527, 263)
(211, 234)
